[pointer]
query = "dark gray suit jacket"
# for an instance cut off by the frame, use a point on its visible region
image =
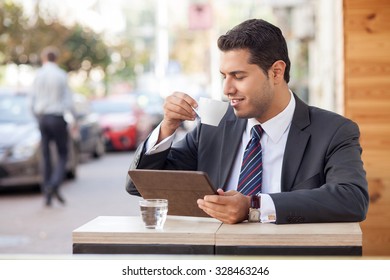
(323, 179)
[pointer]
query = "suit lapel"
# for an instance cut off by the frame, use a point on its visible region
(232, 135)
(296, 144)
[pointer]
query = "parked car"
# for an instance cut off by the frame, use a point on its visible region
(20, 143)
(91, 137)
(152, 105)
(119, 120)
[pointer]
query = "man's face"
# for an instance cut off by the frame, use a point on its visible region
(249, 90)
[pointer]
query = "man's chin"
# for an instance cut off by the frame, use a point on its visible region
(239, 114)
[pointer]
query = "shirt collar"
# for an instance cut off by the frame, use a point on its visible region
(276, 126)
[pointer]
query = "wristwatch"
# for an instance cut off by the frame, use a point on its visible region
(254, 210)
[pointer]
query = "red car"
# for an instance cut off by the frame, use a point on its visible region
(123, 123)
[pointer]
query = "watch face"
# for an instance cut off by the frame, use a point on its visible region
(254, 215)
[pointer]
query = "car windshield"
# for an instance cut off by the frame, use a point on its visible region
(14, 108)
(111, 106)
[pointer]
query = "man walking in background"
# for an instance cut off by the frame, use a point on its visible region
(51, 98)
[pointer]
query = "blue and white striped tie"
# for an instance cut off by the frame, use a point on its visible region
(250, 180)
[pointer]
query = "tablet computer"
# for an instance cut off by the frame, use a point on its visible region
(181, 188)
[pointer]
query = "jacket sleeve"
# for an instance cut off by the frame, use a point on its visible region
(342, 195)
(180, 156)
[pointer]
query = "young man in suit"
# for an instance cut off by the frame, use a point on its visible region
(311, 158)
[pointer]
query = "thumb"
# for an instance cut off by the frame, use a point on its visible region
(229, 193)
(220, 192)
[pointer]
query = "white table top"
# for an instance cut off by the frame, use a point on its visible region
(131, 230)
(321, 234)
(208, 231)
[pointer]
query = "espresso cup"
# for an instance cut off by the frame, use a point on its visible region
(211, 111)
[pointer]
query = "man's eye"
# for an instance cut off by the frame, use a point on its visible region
(239, 77)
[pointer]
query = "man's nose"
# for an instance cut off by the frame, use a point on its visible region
(228, 87)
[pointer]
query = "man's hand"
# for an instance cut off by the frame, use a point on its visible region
(178, 107)
(229, 207)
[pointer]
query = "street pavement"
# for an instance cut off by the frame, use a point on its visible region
(28, 227)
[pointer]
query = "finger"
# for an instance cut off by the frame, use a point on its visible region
(221, 198)
(177, 108)
(217, 208)
(230, 193)
(185, 101)
(188, 99)
(231, 208)
(214, 198)
(213, 210)
(173, 112)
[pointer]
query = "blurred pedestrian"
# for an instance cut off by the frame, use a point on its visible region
(51, 98)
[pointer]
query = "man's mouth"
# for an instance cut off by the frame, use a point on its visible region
(236, 101)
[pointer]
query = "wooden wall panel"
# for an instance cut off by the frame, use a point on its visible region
(367, 101)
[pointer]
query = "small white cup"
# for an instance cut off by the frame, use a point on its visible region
(154, 212)
(211, 111)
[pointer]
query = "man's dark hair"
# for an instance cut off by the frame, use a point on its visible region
(50, 53)
(264, 41)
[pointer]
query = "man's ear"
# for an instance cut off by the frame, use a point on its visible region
(277, 71)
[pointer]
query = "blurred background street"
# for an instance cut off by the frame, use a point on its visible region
(123, 57)
(28, 227)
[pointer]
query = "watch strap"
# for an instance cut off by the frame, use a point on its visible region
(255, 202)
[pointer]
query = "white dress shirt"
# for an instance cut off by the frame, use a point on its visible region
(273, 142)
(51, 94)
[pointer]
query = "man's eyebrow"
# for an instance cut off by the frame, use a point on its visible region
(233, 73)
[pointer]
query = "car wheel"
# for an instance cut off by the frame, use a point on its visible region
(71, 173)
(100, 148)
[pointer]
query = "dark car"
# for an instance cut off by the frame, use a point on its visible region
(20, 144)
(91, 136)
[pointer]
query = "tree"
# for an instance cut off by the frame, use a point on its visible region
(12, 23)
(22, 39)
(84, 46)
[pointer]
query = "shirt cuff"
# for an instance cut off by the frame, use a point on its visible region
(267, 209)
(151, 147)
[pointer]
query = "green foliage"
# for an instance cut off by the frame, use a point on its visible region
(82, 46)
(12, 22)
(22, 39)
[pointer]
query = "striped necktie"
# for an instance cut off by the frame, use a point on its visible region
(250, 180)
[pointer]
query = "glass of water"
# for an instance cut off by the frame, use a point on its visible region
(154, 212)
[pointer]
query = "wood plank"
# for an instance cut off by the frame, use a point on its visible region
(370, 142)
(376, 228)
(361, 116)
(326, 234)
(377, 92)
(376, 242)
(362, 68)
(366, 16)
(380, 80)
(367, 22)
(379, 130)
(373, 167)
(353, 5)
(131, 230)
(367, 95)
